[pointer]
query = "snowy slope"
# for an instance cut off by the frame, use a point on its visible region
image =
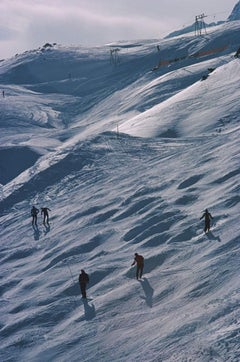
(127, 156)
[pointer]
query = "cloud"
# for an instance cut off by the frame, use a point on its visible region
(89, 28)
(78, 22)
(7, 33)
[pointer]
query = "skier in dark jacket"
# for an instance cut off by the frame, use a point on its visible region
(44, 212)
(83, 281)
(207, 217)
(237, 54)
(139, 260)
(34, 212)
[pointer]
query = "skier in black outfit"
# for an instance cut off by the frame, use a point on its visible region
(44, 211)
(34, 212)
(207, 216)
(237, 54)
(139, 260)
(83, 281)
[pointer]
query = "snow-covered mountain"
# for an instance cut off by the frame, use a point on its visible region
(201, 27)
(204, 26)
(127, 144)
(235, 14)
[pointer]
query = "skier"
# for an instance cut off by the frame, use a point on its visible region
(83, 281)
(139, 260)
(44, 211)
(34, 212)
(237, 54)
(207, 216)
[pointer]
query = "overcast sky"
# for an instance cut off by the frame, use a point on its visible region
(29, 24)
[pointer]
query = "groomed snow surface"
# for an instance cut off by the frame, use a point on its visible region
(127, 154)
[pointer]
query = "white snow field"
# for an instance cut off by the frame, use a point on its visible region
(127, 146)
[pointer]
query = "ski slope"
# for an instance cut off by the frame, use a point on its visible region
(127, 156)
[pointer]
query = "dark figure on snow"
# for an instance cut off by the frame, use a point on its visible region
(139, 260)
(207, 217)
(83, 281)
(44, 212)
(34, 212)
(237, 54)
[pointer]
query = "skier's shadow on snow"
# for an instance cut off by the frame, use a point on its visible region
(36, 232)
(47, 228)
(89, 310)
(148, 290)
(210, 236)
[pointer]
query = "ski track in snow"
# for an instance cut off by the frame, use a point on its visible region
(127, 159)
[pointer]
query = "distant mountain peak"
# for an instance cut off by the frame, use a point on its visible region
(235, 14)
